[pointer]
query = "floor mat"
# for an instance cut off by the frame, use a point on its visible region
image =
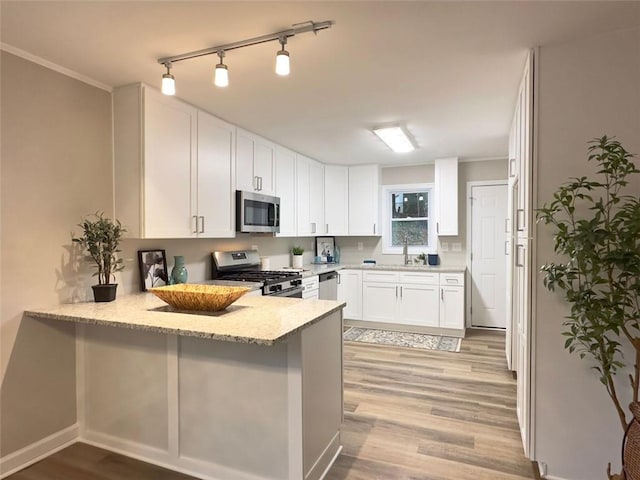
(403, 339)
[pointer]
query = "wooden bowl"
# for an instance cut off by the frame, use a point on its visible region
(204, 298)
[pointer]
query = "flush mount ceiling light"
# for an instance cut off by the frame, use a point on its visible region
(396, 138)
(282, 57)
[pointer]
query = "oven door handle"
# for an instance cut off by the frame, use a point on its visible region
(290, 292)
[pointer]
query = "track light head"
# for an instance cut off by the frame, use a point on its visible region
(282, 59)
(221, 75)
(168, 81)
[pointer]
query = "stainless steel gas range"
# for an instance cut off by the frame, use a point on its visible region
(244, 266)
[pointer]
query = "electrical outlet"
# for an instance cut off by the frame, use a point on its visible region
(456, 247)
(444, 247)
(360, 246)
(254, 247)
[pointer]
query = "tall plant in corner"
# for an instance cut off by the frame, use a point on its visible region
(596, 225)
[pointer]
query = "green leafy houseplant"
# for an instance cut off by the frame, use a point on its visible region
(101, 239)
(597, 230)
(297, 250)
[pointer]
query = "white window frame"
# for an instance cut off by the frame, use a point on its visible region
(387, 190)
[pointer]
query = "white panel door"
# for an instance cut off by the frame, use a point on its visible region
(488, 255)
(216, 169)
(170, 156)
(350, 291)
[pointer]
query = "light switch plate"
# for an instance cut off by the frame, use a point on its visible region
(456, 247)
(444, 246)
(360, 246)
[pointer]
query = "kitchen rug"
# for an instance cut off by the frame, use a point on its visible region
(403, 339)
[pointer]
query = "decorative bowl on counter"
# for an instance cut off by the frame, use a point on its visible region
(204, 298)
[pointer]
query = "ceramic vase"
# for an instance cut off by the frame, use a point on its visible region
(296, 261)
(179, 271)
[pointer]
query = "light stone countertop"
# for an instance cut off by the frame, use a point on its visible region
(311, 270)
(260, 320)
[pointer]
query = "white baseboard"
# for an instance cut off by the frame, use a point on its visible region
(551, 477)
(35, 452)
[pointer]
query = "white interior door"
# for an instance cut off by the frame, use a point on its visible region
(488, 255)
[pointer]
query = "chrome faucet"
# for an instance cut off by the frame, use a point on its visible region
(405, 250)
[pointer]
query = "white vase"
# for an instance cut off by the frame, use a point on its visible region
(296, 261)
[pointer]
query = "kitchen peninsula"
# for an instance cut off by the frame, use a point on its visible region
(252, 392)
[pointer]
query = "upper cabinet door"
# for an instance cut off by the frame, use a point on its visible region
(216, 169)
(446, 186)
(169, 157)
(286, 190)
(316, 196)
(336, 200)
(303, 212)
(255, 163)
(364, 200)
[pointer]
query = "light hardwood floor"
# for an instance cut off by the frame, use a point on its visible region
(409, 415)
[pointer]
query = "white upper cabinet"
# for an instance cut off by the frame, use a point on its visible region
(336, 200)
(286, 190)
(173, 176)
(255, 163)
(310, 196)
(216, 171)
(364, 200)
(446, 187)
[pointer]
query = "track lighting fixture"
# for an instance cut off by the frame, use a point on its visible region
(221, 76)
(168, 82)
(282, 59)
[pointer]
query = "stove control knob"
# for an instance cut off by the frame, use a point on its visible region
(295, 283)
(275, 288)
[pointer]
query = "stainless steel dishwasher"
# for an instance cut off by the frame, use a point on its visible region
(328, 286)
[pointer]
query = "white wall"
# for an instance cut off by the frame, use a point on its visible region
(586, 89)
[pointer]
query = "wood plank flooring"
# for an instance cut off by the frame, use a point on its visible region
(409, 415)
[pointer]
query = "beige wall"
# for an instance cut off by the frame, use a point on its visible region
(56, 167)
(587, 89)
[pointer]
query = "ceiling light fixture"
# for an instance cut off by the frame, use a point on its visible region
(282, 59)
(396, 138)
(221, 75)
(282, 56)
(168, 82)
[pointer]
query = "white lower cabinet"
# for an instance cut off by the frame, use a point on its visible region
(350, 291)
(423, 299)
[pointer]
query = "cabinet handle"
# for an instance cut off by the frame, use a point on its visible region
(401, 292)
(256, 185)
(518, 250)
(374, 228)
(519, 226)
(437, 227)
(442, 294)
(506, 247)
(396, 292)
(506, 225)
(512, 164)
(313, 227)
(339, 277)
(202, 224)
(260, 183)
(326, 228)
(195, 224)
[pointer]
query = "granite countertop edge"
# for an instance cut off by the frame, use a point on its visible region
(279, 333)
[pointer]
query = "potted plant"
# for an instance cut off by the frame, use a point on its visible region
(101, 238)
(296, 259)
(597, 231)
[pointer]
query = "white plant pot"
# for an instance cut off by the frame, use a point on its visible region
(296, 261)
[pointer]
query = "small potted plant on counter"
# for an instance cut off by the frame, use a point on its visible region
(101, 238)
(296, 259)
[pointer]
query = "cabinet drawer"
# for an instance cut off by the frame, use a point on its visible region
(380, 276)
(310, 283)
(421, 278)
(452, 279)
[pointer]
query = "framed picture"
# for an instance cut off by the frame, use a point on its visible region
(325, 248)
(153, 268)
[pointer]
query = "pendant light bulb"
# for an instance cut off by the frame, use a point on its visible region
(168, 82)
(282, 60)
(221, 74)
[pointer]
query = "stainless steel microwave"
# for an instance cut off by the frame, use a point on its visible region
(257, 213)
